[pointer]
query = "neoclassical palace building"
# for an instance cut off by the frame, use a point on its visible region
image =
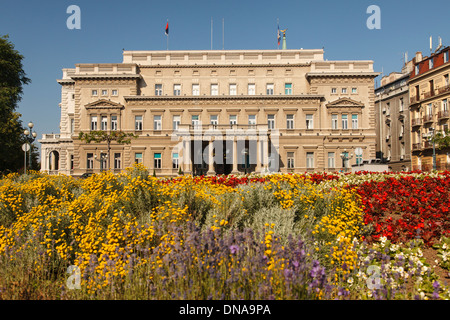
(216, 112)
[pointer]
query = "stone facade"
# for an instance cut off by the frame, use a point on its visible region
(208, 112)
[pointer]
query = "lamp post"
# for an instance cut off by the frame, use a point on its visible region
(434, 148)
(345, 158)
(30, 136)
(102, 159)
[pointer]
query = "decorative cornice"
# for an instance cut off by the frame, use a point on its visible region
(226, 97)
(104, 104)
(229, 65)
(343, 74)
(105, 76)
(345, 103)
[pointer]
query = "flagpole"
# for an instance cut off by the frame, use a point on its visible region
(278, 34)
(211, 33)
(167, 37)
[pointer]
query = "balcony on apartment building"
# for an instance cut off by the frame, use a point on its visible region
(443, 115)
(428, 118)
(416, 122)
(416, 146)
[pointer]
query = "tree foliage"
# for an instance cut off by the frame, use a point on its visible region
(12, 80)
(442, 139)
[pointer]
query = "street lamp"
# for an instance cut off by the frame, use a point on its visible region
(434, 148)
(345, 158)
(102, 160)
(30, 136)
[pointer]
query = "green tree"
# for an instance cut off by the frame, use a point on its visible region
(99, 136)
(12, 80)
(442, 139)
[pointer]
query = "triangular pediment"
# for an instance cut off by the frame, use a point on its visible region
(345, 103)
(104, 104)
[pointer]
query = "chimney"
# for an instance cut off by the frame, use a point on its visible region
(418, 56)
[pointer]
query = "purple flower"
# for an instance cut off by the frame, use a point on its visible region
(234, 248)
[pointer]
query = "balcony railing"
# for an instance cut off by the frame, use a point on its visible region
(428, 145)
(416, 122)
(428, 118)
(443, 115)
(416, 146)
(224, 127)
(414, 99)
(444, 89)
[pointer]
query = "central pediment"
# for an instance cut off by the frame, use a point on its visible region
(104, 104)
(345, 103)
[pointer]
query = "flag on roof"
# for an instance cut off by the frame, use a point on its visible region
(167, 28)
(278, 35)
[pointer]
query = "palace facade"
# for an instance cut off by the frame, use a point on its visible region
(216, 111)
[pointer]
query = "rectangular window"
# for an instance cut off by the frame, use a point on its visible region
(269, 89)
(114, 126)
(354, 121)
(345, 160)
(344, 90)
(333, 90)
(195, 121)
(252, 120)
(251, 89)
(72, 125)
(103, 161)
(334, 121)
(213, 119)
(288, 88)
(104, 123)
(157, 122)
(310, 160)
(290, 121)
(233, 119)
(138, 157)
(195, 89)
(445, 105)
(416, 70)
(157, 160)
(271, 121)
(445, 56)
(430, 109)
(71, 162)
(309, 121)
(117, 160)
(138, 123)
(431, 63)
(114, 92)
(354, 90)
(290, 160)
(233, 89)
(177, 89)
(94, 123)
(175, 163)
(176, 120)
(402, 104)
(359, 155)
(90, 161)
(446, 80)
(214, 89)
(331, 160)
(94, 92)
(104, 92)
(344, 121)
(158, 89)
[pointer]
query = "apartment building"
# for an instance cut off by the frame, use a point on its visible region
(216, 112)
(429, 98)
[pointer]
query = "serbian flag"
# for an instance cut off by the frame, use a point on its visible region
(278, 35)
(167, 28)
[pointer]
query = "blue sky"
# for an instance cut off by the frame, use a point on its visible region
(38, 30)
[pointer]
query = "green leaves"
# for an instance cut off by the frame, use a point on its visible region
(99, 136)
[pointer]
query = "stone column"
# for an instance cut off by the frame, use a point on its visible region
(258, 155)
(211, 170)
(235, 158)
(266, 153)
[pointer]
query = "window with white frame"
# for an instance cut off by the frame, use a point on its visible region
(214, 119)
(288, 88)
(309, 121)
(90, 161)
(117, 160)
(416, 70)
(252, 120)
(175, 162)
(402, 104)
(94, 92)
(431, 63)
(195, 121)
(138, 123)
(114, 92)
(233, 89)
(344, 121)
(104, 123)
(271, 121)
(114, 124)
(290, 121)
(233, 119)
(331, 160)
(251, 90)
(103, 161)
(94, 123)
(176, 120)
(359, 155)
(72, 125)
(354, 121)
(333, 90)
(138, 157)
(310, 160)
(290, 160)
(334, 121)
(158, 89)
(177, 89)
(269, 89)
(430, 109)
(157, 161)
(446, 56)
(344, 90)
(214, 89)
(104, 92)
(195, 89)
(354, 90)
(157, 125)
(445, 105)
(446, 80)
